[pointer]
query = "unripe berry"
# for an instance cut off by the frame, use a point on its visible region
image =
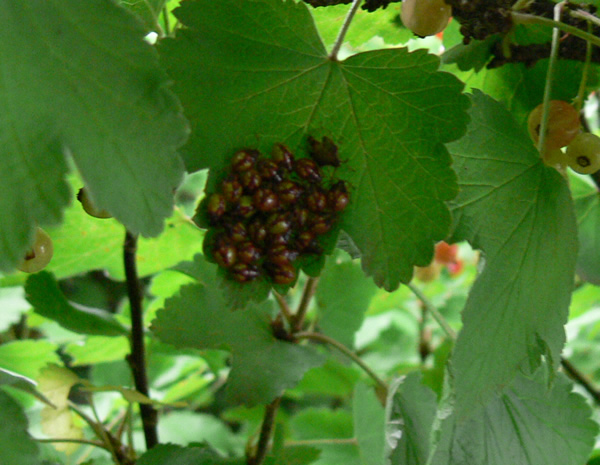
(89, 206)
(563, 124)
(244, 160)
(40, 254)
(583, 154)
(425, 17)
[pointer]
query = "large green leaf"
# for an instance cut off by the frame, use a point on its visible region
(519, 213)
(102, 99)
(587, 207)
(47, 300)
(528, 424)
(369, 425)
(8, 378)
(343, 297)
(16, 446)
(255, 73)
(262, 366)
(411, 410)
(28, 357)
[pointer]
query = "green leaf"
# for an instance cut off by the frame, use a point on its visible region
(48, 300)
(343, 297)
(199, 318)
(527, 425)
(587, 208)
(147, 10)
(383, 23)
(22, 383)
(369, 425)
(410, 413)
(28, 357)
(519, 213)
(169, 454)
(103, 100)
(98, 349)
(16, 446)
(272, 81)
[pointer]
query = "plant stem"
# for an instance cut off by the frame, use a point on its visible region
(137, 357)
(283, 307)
(579, 100)
(165, 13)
(74, 441)
(343, 349)
(307, 294)
(320, 442)
(582, 14)
(266, 431)
(549, 78)
(342, 34)
(437, 316)
(576, 375)
(524, 18)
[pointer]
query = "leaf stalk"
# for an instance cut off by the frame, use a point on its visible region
(343, 31)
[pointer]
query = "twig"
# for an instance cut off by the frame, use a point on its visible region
(309, 291)
(342, 34)
(549, 78)
(437, 316)
(343, 349)
(87, 442)
(321, 442)
(265, 433)
(137, 357)
(284, 307)
(525, 18)
(576, 375)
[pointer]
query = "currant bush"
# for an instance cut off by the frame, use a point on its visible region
(583, 154)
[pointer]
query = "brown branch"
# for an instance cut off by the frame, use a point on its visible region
(581, 379)
(298, 318)
(137, 357)
(266, 431)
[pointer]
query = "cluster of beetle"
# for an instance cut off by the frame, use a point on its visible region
(268, 212)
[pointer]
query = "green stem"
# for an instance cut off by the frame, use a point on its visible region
(582, 14)
(437, 316)
(322, 442)
(524, 18)
(307, 294)
(343, 349)
(266, 431)
(584, 75)
(283, 307)
(74, 441)
(342, 34)
(549, 78)
(165, 13)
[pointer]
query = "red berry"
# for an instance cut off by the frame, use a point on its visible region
(446, 253)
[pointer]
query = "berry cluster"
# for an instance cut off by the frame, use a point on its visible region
(564, 130)
(268, 212)
(481, 18)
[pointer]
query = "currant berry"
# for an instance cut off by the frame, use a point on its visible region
(446, 253)
(428, 273)
(244, 273)
(231, 189)
(308, 169)
(39, 255)
(265, 200)
(324, 153)
(89, 206)
(244, 160)
(283, 157)
(583, 154)
(563, 124)
(425, 17)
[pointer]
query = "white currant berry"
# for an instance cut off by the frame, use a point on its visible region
(39, 255)
(89, 206)
(425, 17)
(583, 154)
(563, 124)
